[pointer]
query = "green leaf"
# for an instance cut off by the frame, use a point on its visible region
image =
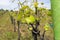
(30, 19)
(19, 16)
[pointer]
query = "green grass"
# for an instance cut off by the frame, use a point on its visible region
(6, 30)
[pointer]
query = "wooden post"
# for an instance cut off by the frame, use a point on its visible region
(55, 5)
